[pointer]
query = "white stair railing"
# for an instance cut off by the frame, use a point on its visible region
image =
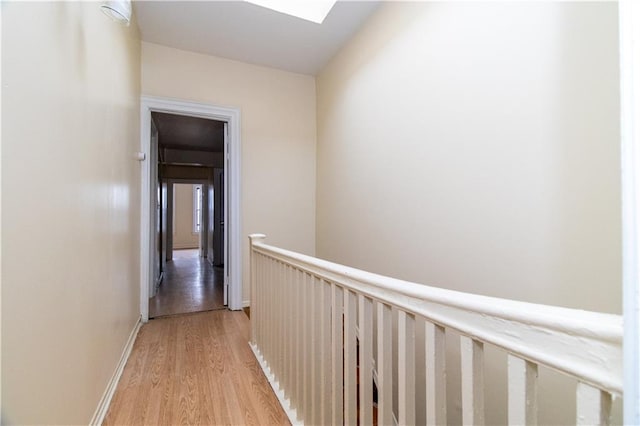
(312, 329)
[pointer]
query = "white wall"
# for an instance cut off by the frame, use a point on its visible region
(475, 146)
(70, 126)
(278, 137)
(183, 236)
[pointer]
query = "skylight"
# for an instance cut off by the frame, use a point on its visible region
(310, 10)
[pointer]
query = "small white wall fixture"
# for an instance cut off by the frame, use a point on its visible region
(233, 152)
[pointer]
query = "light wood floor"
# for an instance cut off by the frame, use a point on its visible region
(194, 369)
(190, 284)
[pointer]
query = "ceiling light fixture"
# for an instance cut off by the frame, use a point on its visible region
(118, 10)
(310, 10)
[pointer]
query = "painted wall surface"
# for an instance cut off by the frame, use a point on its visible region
(183, 236)
(278, 135)
(70, 192)
(475, 147)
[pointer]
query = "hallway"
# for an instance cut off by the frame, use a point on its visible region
(190, 284)
(194, 369)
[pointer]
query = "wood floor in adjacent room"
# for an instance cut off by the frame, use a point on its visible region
(194, 369)
(190, 284)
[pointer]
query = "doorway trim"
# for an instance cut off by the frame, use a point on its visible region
(233, 152)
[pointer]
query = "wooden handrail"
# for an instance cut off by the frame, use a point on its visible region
(582, 344)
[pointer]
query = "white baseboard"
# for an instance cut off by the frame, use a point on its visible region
(246, 303)
(284, 402)
(105, 401)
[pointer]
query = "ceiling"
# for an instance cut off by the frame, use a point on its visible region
(179, 132)
(245, 32)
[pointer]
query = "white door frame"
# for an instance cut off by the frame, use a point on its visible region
(186, 181)
(233, 152)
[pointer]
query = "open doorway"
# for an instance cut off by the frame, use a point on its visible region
(195, 146)
(192, 281)
(187, 221)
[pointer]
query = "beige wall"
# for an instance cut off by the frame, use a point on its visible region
(183, 236)
(278, 137)
(70, 195)
(475, 147)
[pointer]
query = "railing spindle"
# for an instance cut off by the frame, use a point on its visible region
(384, 366)
(300, 331)
(308, 350)
(273, 339)
(276, 321)
(472, 372)
(350, 395)
(522, 391)
(268, 326)
(317, 351)
(315, 354)
(279, 316)
(262, 290)
(325, 351)
(289, 354)
(286, 300)
(259, 319)
(294, 323)
(436, 386)
(593, 406)
(365, 327)
(406, 369)
(255, 297)
(283, 327)
(337, 350)
(271, 321)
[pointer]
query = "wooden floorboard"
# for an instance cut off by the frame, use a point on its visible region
(194, 369)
